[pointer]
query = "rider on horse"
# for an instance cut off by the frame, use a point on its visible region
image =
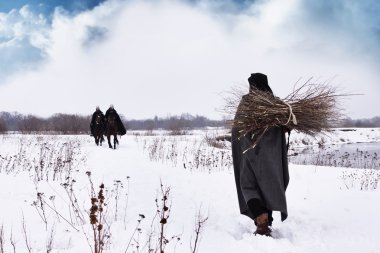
(95, 115)
(111, 111)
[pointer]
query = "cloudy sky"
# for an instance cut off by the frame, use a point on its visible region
(162, 57)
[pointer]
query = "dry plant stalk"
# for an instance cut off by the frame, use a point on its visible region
(138, 231)
(2, 239)
(98, 215)
(27, 242)
(164, 213)
(13, 242)
(97, 220)
(310, 109)
(200, 222)
(50, 240)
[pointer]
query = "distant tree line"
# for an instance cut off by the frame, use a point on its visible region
(61, 123)
(173, 123)
(373, 122)
(79, 124)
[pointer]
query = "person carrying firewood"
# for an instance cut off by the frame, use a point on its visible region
(260, 167)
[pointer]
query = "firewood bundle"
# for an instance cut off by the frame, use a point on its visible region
(311, 109)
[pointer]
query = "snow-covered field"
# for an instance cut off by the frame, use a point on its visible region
(47, 182)
(336, 136)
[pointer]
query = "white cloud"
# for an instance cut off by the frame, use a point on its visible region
(23, 40)
(156, 58)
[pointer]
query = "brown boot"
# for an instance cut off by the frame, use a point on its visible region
(262, 223)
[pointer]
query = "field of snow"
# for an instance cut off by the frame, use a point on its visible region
(47, 184)
(336, 136)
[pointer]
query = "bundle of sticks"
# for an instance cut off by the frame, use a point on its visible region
(311, 109)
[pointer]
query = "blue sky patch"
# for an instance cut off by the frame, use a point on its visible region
(47, 6)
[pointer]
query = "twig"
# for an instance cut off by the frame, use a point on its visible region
(53, 209)
(126, 203)
(164, 216)
(199, 226)
(50, 240)
(26, 235)
(2, 239)
(13, 243)
(141, 217)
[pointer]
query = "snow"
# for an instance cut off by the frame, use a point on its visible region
(336, 136)
(327, 211)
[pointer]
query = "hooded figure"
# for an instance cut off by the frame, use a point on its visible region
(120, 125)
(97, 113)
(261, 173)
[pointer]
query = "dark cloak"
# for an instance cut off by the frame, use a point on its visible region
(261, 172)
(102, 120)
(120, 125)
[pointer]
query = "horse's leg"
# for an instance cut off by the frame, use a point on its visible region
(109, 140)
(101, 139)
(115, 141)
(96, 140)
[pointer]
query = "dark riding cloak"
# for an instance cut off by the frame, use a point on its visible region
(120, 125)
(261, 172)
(97, 113)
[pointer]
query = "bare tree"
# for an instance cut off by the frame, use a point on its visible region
(3, 126)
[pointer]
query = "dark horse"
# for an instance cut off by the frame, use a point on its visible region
(112, 129)
(98, 130)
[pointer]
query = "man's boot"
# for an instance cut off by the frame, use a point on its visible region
(262, 223)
